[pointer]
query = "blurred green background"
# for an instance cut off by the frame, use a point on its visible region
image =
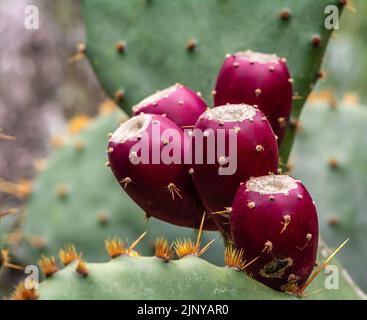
(346, 57)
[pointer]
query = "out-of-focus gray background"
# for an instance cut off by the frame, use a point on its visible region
(39, 89)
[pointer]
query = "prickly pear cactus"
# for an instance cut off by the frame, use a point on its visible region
(77, 199)
(330, 156)
(146, 45)
(132, 277)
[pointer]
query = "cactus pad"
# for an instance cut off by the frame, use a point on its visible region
(190, 277)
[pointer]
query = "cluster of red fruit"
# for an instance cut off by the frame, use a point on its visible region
(269, 215)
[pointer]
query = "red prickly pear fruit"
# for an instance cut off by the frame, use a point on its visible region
(179, 103)
(145, 155)
(274, 219)
(238, 143)
(257, 79)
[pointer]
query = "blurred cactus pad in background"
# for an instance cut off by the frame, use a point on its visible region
(349, 46)
(135, 48)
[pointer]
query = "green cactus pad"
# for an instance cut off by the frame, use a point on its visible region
(188, 278)
(156, 34)
(77, 199)
(330, 157)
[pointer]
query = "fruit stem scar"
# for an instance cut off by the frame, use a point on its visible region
(276, 268)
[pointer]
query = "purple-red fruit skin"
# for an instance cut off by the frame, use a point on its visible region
(257, 79)
(179, 103)
(149, 184)
(280, 229)
(257, 154)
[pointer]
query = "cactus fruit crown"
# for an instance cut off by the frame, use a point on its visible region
(131, 128)
(259, 57)
(231, 112)
(271, 184)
